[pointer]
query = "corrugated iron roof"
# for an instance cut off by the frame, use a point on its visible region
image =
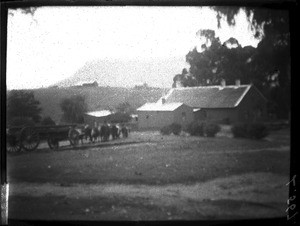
(101, 113)
(159, 107)
(208, 96)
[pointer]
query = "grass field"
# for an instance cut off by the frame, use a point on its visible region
(151, 176)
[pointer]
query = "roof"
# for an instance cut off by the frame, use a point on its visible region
(101, 113)
(159, 106)
(208, 96)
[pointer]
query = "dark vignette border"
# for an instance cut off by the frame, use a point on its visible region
(290, 5)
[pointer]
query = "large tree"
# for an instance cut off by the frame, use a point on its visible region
(22, 105)
(73, 109)
(267, 66)
(271, 62)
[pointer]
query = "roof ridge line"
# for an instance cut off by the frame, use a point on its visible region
(243, 95)
(215, 86)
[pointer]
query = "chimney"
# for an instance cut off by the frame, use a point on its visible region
(163, 100)
(237, 82)
(223, 82)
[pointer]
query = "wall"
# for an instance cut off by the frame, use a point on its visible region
(222, 115)
(159, 119)
(247, 110)
(218, 115)
(155, 119)
(253, 107)
(178, 117)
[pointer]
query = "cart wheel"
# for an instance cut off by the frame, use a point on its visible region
(73, 137)
(53, 143)
(29, 139)
(12, 144)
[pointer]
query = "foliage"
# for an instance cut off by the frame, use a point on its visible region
(267, 66)
(195, 129)
(271, 61)
(120, 117)
(47, 121)
(250, 130)
(173, 128)
(211, 129)
(176, 128)
(166, 130)
(201, 129)
(73, 109)
(22, 104)
(124, 107)
(257, 131)
(239, 130)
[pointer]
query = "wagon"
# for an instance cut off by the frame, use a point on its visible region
(28, 138)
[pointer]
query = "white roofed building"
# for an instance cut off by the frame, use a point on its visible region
(159, 114)
(97, 116)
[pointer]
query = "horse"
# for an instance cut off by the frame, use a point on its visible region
(95, 133)
(124, 131)
(114, 132)
(119, 130)
(104, 132)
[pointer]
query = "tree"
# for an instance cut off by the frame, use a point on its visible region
(217, 61)
(272, 58)
(73, 109)
(124, 107)
(185, 79)
(22, 105)
(267, 66)
(122, 113)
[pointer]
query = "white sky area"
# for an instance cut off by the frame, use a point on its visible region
(57, 41)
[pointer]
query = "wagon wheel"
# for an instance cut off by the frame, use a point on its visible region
(73, 137)
(30, 139)
(53, 143)
(12, 144)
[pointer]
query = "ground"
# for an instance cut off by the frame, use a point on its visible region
(153, 177)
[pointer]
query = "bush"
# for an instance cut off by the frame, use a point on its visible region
(173, 128)
(250, 130)
(166, 130)
(239, 130)
(176, 128)
(211, 129)
(257, 131)
(195, 129)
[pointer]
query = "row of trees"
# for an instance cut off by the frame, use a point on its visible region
(23, 108)
(267, 66)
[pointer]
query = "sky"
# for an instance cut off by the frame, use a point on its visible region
(56, 42)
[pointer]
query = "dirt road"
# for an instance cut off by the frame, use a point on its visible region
(253, 195)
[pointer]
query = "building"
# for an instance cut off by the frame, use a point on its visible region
(97, 116)
(158, 115)
(94, 84)
(222, 104)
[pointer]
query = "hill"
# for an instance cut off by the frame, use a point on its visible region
(97, 98)
(125, 72)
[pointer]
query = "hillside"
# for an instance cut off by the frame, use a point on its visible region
(97, 98)
(126, 72)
